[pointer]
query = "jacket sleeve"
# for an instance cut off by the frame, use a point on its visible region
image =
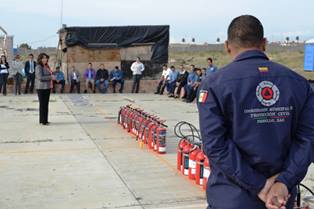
(220, 150)
(132, 67)
(299, 157)
(26, 68)
(143, 67)
(40, 75)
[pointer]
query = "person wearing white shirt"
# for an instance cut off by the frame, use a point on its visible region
(75, 80)
(137, 69)
(17, 72)
(163, 78)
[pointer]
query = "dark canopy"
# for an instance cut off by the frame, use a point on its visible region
(122, 36)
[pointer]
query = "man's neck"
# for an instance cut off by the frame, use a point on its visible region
(242, 50)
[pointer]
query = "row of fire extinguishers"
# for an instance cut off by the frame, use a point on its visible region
(148, 129)
(193, 163)
(191, 160)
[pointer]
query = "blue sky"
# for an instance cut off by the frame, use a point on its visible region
(36, 22)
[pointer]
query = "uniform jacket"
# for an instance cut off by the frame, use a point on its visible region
(256, 120)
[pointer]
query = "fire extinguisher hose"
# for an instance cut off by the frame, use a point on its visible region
(192, 135)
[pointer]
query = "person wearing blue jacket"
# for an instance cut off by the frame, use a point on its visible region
(256, 122)
(116, 76)
(211, 67)
(58, 80)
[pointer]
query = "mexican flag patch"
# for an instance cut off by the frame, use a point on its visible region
(202, 96)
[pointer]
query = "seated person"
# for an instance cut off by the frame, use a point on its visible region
(102, 77)
(181, 81)
(171, 81)
(75, 80)
(89, 76)
(58, 80)
(193, 93)
(163, 79)
(116, 76)
(191, 84)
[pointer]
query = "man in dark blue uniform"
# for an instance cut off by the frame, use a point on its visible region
(257, 124)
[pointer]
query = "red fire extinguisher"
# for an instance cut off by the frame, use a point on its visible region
(152, 134)
(181, 145)
(206, 172)
(192, 162)
(147, 130)
(161, 144)
(199, 177)
(185, 158)
(134, 121)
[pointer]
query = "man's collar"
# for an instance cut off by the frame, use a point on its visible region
(250, 54)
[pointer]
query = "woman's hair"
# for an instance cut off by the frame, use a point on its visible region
(5, 59)
(40, 57)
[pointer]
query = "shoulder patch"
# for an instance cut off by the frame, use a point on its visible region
(202, 96)
(263, 69)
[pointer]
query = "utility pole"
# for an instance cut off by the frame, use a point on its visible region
(61, 14)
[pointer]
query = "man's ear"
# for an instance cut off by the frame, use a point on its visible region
(263, 44)
(227, 47)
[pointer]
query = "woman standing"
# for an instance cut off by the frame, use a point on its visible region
(17, 71)
(4, 73)
(43, 86)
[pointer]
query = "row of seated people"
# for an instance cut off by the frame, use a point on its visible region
(99, 80)
(181, 84)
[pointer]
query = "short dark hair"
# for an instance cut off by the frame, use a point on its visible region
(40, 57)
(172, 67)
(164, 65)
(90, 63)
(31, 55)
(193, 66)
(210, 59)
(246, 31)
(116, 67)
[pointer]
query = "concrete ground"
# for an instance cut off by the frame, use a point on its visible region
(84, 160)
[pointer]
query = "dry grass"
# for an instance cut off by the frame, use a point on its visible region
(291, 58)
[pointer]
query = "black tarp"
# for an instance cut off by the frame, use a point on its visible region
(121, 37)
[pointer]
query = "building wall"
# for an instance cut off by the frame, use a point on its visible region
(80, 57)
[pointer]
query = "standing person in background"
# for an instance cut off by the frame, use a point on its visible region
(116, 76)
(58, 80)
(171, 81)
(163, 79)
(211, 68)
(17, 72)
(102, 79)
(181, 81)
(29, 69)
(137, 68)
(89, 76)
(4, 73)
(75, 80)
(43, 86)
